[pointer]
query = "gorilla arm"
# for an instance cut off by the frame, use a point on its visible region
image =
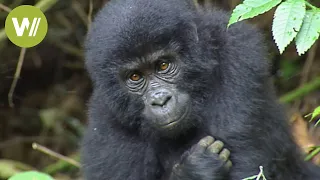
(111, 154)
(121, 157)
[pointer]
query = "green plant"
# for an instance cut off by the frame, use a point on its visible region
(31, 175)
(314, 114)
(259, 176)
(293, 19)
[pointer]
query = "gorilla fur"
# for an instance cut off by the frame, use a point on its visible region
(225, 72)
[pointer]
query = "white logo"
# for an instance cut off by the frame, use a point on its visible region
(25, 25)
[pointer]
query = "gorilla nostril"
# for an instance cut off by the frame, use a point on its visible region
(167, 99)
(161, 101)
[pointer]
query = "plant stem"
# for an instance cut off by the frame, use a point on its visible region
(16, 76)
(54, 154)
(5, 8)
(312, 154)
(302, 91)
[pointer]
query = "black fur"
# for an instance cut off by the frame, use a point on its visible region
(225, 72)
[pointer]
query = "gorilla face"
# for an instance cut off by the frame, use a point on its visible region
(154, 79)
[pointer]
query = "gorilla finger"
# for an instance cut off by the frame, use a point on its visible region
(203, 144)
(228, 164)
(176, 169)
(206, 141)
(216, 147)
(224, 154)
(176, 166)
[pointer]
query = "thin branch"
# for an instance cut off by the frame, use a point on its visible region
(44, 5)
(302, 91)
(16, 76)
(5, 8)
(54, 154)
(306, 70)
(60, 165)
(90, 14)
(308, 65)
(77, 7)
(21, 140)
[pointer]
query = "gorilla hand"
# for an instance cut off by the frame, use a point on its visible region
(205, 155)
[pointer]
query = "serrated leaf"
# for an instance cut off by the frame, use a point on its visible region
(287, 22)
(251, 8)
(31, 175)
(309, 31)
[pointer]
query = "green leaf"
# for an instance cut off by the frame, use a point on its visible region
(313, 153)
(316, 112)
(9, 168)
(287, 22)
(31, 175)
(309, 31)
(251, 8)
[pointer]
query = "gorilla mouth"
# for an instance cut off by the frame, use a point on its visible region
(177, 120)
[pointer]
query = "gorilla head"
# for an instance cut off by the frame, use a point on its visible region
(147, 71)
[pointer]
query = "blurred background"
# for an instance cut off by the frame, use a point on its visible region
(47, 105)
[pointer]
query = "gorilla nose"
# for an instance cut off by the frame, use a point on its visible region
(160, 98)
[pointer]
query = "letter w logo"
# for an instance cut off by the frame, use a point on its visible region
(25, 25)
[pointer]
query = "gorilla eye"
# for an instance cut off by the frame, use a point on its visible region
(135, 81)
(135, 77)
(163, 66)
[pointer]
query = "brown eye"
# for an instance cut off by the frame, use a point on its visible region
(163, 66)
(135, 77)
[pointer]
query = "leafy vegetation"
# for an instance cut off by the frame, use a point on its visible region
(293, 19)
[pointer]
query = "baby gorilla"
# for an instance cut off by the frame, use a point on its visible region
(145, 115)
